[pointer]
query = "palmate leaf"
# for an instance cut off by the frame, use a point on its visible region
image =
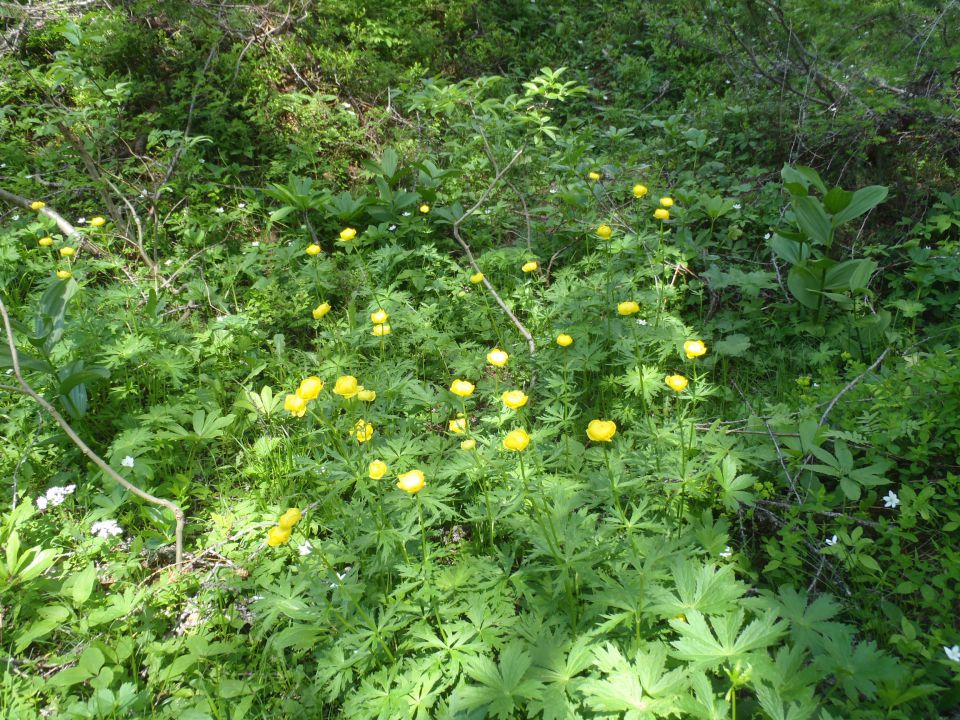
(640, 689)
(777, 709)
(704, 588)
(501, 686)
(724, 640)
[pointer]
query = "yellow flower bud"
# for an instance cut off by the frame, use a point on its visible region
(67, 252)
(666, 202)
(694, 348)
(320, 310)
(628, 307)
(310, 388)
(295, 405)
(604, 232)
(424, 208)
(64, 274)
(601, 430)
(37, 205)
(468, 444)
(290, 518)
(458, 425)
(661, 214)
(593, 176)
(639, 191)
(278, 536)
(564, 340)
(379, 317)
(97, 221)
(514, 399)
(348, 234)
(677, 383)
(516, 440)
(411, 482)
(45, 241)
(497, 357)
(366, 395)
(529, 267)
(381, 330)
(463, 388)
(346, 386)
(476, 278)
(377, 469)
(313, 249)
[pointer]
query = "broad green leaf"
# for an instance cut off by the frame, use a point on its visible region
(813, 220)
(864, 200)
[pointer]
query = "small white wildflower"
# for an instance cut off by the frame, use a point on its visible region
(890, 500)
(202, 161)
(305, 548)
(392, 228)
(41, 503)
(81, 221)
(15, 218)
(255, 243)
(106, 528)
(10, 371)
(406, 213)
(241, 205)
(3, 165)
(127, 461)
(168, 263)
(816, 385)
(56, 495)
(220, 210)
(831, 540)
(641, 322)
(727, 552)
(737, 206)
(347, 105)
(953, 653)
(767, 236)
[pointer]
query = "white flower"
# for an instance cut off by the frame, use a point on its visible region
(15, 218)
(392, 228)
(890, 500)
(727, 552)
(406, 213)
(767, 236)
(202, 161)
(106, 528)
(241, 205)
(168, 263)
(641, 322)
(81, 221)
(737, 206)
(347, 105)
(305, 548)
(953, 653)
(56, 495)
(41, 503)
(255, 243)
(831, 540)
(127, 461)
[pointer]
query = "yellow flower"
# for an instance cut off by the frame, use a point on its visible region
(529, 267)
(593, 176)
(676, 382)
(639, 190)
(411, 482)
(694, 348)
(67, 252)
(379, 317)
(476, 278)
(45, 241)
(64, 274)
(366, 395)
(497, 357)
(320, 310)
(348, 234)
(381, 330)
(468, 444)
(377, 469)
(604, 232)
(346, 386)
(463, 388)
(661, 214)
(601, 430)
(458, 425)
(310, 388)
(295, 405)
(514, 399)
(564, 340)
(278, 536)
(97, 221)
(628, 307)
(313, 249)
(666, 202)
(516, 440)
(290, 518)
(424, 208)
(37, 205)
(363, 431)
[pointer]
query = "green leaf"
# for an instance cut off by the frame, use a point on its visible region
(723, 642)
(812, 220)
(83, 584)
(501, 688)
(789, 250)
(804, 176)
(734, 345)
(836, 200)
(805, 286)
(864, 200)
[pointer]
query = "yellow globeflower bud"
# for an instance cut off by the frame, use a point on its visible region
(476, 278)
(661, 214)
(424, 208)
(381, 330)
(529, 267)
(468, 444)
(278, 536)
(601, 430)
(366, 395)
(377, 469)
(363, 431)
(67, 252)
(458, 425)
(628, 307)
(97, 221)
(604, 232)
(346, 386)
(463, 388)
(666, 202)
(514, 399)
(320, 310)
(348, 234)
(310, 388)
(313, 249)
(295, 405)
(497, 357)
(411, 482)
(516, 440)
(37, 205)
(290, 518)
(564, 340)
(64, 274)
(677, 383)
(379, 317)
(694, 348)
(45, 241)
(593, 176)
(639, 190)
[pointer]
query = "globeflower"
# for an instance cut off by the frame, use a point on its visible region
(348, 234)
(458, 425)
(661, 214)
(628, 307)
(278, 536)
(320, 310)
(295, 405)
(366, 395)
(377, 469)
(346, 386)
(514, 399)
(313, 249)
(290, 518)
(97, 221)
(694, 348)
(45, 241)
(381, 330)
(463, 388)
(411, 482)
(468, 444)
(601, 430)
(516, 440)
(424, 209)
(529, 267)
(37, 205)
(67, 252)
(639, 190)
(593, 175)
(310, 388)
(497, 357)
(379, 316)
(564, 340)
(363, 431)
(604, 232)
(64, 274)
(677, 383)
(476, 278)
(666, 202)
